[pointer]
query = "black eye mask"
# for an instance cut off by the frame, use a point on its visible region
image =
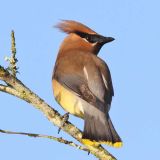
(92, 38)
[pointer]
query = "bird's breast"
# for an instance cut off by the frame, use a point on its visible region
(67, 99)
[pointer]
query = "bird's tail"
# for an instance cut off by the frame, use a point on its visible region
(101, 131)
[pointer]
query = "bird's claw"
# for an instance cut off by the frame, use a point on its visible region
(65, 119)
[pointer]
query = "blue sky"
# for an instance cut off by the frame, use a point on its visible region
(133, 59)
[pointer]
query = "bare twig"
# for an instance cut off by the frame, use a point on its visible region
(61, 140)
(12, 60)
(10, 90)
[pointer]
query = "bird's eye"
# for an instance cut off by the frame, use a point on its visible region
(90, 38)
(87, 38)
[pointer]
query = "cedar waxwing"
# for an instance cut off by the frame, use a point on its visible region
(82, 82)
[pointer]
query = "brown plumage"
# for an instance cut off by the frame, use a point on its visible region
(82, 82)
(70, 26)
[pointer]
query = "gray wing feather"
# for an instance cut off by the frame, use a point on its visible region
(91, 80)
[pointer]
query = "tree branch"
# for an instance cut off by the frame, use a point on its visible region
(12, 60)
(10, 90)
(61, 140)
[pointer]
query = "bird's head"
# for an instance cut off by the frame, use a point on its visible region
(81, 37)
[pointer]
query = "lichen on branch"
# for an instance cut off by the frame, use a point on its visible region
(12, 59)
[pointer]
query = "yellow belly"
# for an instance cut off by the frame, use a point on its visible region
(70, 102)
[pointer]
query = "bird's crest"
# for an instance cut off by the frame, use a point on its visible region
(70, 26)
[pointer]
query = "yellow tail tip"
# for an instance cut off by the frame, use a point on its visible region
(90, 143)
(118, 144)
(96, 143)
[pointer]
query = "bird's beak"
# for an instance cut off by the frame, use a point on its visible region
(106, 40)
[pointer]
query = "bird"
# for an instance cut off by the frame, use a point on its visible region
(82, 82)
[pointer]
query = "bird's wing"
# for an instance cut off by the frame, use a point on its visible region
(107, 80)
(90, 81)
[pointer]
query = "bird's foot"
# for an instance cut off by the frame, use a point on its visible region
(65, 119)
